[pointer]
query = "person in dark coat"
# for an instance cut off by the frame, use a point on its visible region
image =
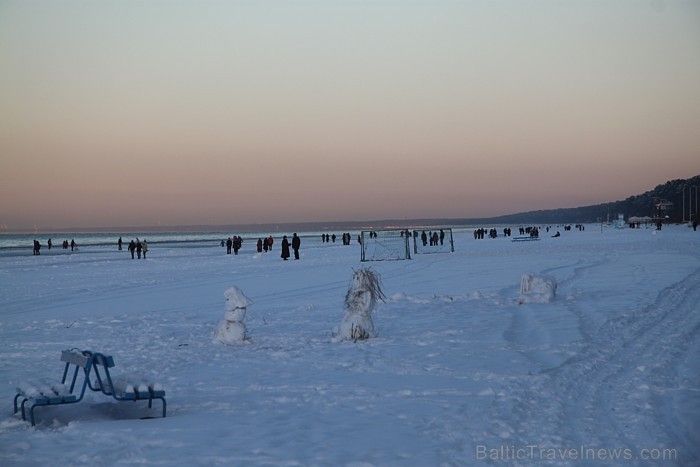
(132, 248)
(260, 245)
(296, 243)
(285, 248)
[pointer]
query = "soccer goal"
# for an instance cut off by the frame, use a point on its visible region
(385, 245)
(434, 240)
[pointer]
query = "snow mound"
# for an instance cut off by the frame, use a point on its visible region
(537, 289)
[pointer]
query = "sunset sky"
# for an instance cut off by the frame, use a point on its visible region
(174, 112)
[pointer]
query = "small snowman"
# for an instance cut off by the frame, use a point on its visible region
(537, 289)
(360, 300)
(232, 330)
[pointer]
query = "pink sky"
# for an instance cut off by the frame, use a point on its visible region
(171, 113)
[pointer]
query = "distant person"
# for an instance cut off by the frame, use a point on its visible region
(260, 245)
(556, 234)
(37, 247)
(139, 247)
(229, 243)
(72, 245)
(695, 225)
(296, 243)
(49, 243)
(266, 244)
(119, 244)
(285, 248)
(132, 248)
(144, 247)
(270, 241)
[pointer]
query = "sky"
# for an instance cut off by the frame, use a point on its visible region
(142, 113)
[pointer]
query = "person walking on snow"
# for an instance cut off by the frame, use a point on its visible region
(285, 248)
(296, 243)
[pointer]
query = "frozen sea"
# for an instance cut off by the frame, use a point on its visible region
(461, 373)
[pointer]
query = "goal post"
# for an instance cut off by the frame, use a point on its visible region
(385, 245)
(433, 240)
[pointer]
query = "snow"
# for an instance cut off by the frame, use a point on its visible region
(537, 289)
(459, 373)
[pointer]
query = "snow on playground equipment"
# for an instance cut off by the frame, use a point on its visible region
(537, 289)
(65, 392)
(124, 388)
(362, 296)
(132, 388)
(232, 330)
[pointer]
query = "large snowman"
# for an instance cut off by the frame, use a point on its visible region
(232, 330)
(360, 300)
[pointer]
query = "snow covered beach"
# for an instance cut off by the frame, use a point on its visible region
(459, 374)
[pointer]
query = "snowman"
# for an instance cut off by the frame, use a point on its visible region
(362, 296)
(232, 330)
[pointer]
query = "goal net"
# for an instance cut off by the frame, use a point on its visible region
(435, 240)
(385, 245)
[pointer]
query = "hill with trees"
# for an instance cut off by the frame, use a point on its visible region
(666, 200)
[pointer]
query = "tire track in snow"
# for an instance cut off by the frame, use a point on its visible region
(618, 387)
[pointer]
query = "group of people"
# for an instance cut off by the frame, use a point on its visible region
(346, 238)
(325, 238)
(265, 244)
(531, 231)
(234, 243)
(137, 247)
(296, 244)
(49, 244)
(434, 238)
(492, 233)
